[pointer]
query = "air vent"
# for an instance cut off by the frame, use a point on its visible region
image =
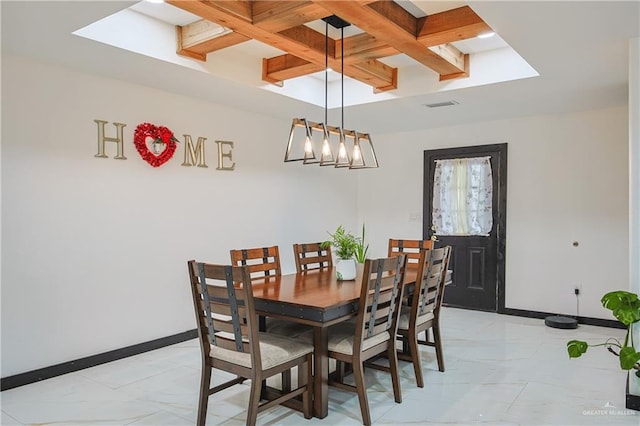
(441, 104)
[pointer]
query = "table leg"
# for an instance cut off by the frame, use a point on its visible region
(320, 373)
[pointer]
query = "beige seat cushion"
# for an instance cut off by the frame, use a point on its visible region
(341, 338)
(274, 349)
(405, 312)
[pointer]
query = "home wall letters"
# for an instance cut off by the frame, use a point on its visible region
(193, 155)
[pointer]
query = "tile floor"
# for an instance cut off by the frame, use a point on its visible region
(499, 370)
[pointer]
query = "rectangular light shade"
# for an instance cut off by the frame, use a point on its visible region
(363, 155)
(300, 145)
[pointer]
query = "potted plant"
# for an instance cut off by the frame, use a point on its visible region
(345, 245)
(625, 306)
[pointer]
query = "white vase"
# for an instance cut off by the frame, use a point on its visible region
(346, 269)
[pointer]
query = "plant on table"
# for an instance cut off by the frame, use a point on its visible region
(346, 246)
(345, 243)
(625, 307)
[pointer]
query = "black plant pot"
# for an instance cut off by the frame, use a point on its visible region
(632, 400)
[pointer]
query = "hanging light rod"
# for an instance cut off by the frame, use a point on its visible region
(340, 148)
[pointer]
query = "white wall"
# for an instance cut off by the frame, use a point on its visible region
(94, 250)
(567, 181)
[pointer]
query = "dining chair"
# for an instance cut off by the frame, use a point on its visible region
(264, 262)
(424, 312)
(411, 248)
(309, 256)
(374, 330)
(230, 341)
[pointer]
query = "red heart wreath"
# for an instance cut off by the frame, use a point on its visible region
(159, 134)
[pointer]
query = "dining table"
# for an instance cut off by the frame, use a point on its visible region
(316, 298)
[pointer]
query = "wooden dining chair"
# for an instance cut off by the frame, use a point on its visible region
(230, 341)
(424, 312)
(374, 330)
(411, 248)
(309, 256)
(262, 261)
(265, 262)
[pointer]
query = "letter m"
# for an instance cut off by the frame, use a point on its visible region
(194, 155)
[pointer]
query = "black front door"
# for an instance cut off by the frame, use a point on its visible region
(477, 262)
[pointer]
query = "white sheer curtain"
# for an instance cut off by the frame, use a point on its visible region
(462, 193)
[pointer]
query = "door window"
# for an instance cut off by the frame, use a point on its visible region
(462, 194)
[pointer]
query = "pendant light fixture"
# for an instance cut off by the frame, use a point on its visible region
(338, 147)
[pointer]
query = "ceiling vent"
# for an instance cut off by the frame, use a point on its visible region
(441, 104)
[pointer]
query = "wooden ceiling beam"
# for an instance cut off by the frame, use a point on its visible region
(197, 39)
(449, 26)
(277, 69)
(357, 48)
(300, 41)
(276, 16)
(387, 21)
(362, 47)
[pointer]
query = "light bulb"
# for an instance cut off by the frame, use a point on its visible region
(325, 148)
(342, 153)
(307, 146)
(356, 153)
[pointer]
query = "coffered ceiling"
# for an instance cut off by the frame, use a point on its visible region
(386, 29)
(578, 49)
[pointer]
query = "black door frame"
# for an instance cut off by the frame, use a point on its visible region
(500, 225)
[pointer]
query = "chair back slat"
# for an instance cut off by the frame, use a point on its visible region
(223, 299)
(309, 256)
(410, 248)
(430, 282)
(380, 298)
(262, 261)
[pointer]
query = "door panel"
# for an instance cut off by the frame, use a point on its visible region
(477, 262)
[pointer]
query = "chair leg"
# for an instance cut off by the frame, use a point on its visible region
(205, 383)
(392, 354)
(415, 358)
(438, 346)
(339, 371)
(286, 381)
(358, 375)
(305, 374)
(254, 400)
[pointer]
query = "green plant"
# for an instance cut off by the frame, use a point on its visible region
(344, 242)
(625, 307)
(362, 249)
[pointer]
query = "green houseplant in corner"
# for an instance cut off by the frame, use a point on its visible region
(625, 306)
(345, 245)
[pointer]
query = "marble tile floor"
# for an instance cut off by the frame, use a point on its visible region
(500, 369)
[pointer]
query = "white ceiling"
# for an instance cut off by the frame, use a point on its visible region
(580, 50)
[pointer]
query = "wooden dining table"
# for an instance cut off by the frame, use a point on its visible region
(318, 299)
